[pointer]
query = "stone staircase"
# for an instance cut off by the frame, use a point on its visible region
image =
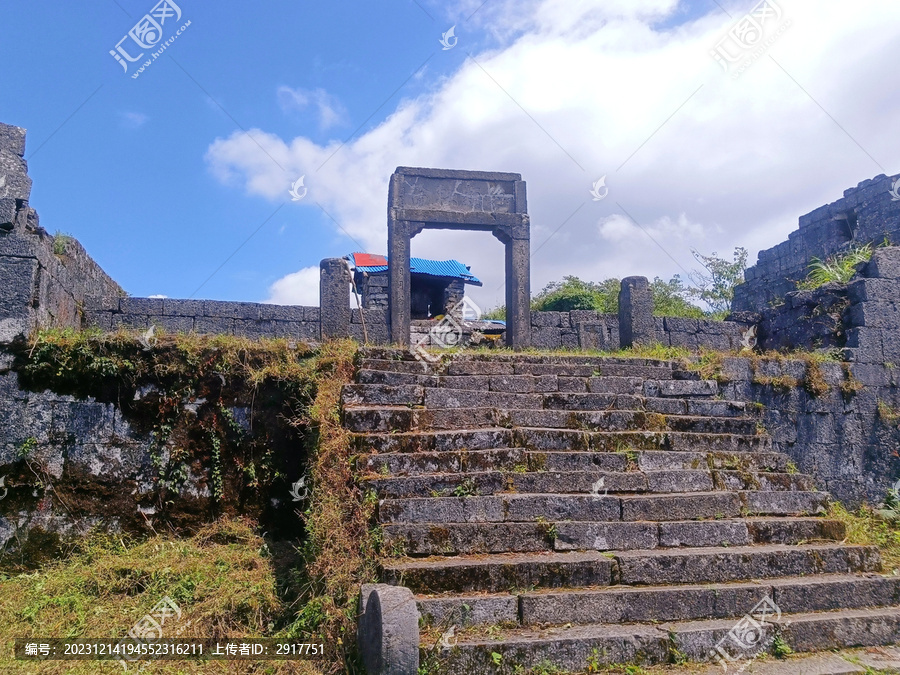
(571, 512)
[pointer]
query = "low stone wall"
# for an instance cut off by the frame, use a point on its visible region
(586, 329)
(245, 319)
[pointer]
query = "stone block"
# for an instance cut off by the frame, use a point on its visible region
(17, 184)
(877, 314)
(546, 320)
(577, 316)
(12, 139)
(884, 264)
(247, 311)
(568, 339)
(101, 303)
(209, 325)
(546, 338)
(7, 213)
(281, 313)
(865, 290)
(173, 324)
(189, 308)
(146, 306)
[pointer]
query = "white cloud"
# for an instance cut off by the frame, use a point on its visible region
(299, 288)
(132, 120)
(329, 109)
(698, 159)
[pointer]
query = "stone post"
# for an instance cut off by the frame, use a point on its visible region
(334, 298)
(636, 323)
(388, 630)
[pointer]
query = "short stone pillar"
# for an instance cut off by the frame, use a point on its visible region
(334, 298)
(636, 323)
(388, 631)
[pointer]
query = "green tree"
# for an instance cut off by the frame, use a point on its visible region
(715, 285)
(573, 293)
(670, 299)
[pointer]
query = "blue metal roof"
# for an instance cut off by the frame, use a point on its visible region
(452, 269)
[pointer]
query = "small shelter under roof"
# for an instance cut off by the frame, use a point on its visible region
(436, 286)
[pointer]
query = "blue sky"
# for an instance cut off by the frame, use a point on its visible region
(164, 178)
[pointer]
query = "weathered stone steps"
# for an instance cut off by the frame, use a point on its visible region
(625, 604)
(525, 507)
(517, 459)
(507, 571)
(594, 482)
(557, 439)
(397, 418)
(428, 539)
(413, 386)
(572, 648)
(593, 511)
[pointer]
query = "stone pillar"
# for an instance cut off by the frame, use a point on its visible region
(636, 323)
(518, 289)
(334, 298)
(399, 281)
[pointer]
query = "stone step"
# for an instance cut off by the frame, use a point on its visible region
(624, 604)
(557, 439)
(711, 565)
(425, 539)
(402, 418)
(517, 507)
(572, 648)
(519, 460)
(500, 572)
(382, 394)
(722, 505)
(471, 483)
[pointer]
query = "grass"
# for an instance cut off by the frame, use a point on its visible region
(864, 527)
(837, 268)
(226, 580)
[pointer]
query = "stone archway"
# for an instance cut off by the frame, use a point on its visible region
(447, 199)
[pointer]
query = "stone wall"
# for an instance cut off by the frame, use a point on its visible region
(586, 329)
(44, 279)
(836, 420)
(72, 460)
(861, 318)
(865, 214)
